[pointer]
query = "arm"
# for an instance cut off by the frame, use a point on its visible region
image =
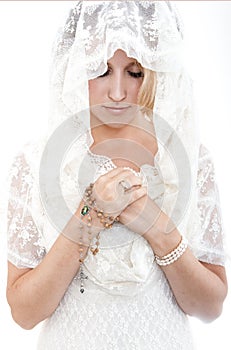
(199, 288)
(34, 294)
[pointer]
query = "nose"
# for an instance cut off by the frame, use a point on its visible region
(117, 88)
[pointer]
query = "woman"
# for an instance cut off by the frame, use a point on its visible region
(115, 233)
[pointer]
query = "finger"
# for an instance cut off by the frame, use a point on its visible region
(111, 175)
(129, 184)
(120, 175)
(136, 194)
(125, 174)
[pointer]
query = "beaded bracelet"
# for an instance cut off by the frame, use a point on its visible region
(174, 255)
(105, 219)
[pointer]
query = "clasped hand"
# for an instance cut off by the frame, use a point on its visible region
(116, 190)
(121, 193)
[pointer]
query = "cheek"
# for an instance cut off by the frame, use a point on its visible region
(95, 91)
(134, 90)
(91, 89)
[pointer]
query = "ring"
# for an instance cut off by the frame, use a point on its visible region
(125, 184)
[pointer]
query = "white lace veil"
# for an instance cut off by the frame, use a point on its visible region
(150, 32)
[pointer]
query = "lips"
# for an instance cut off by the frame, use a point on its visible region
(116, 109)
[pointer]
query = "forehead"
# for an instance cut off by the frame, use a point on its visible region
(120, 57)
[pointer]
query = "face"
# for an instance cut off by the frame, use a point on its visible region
(113, 96)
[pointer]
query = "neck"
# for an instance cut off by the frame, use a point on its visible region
(130, 145)
(140, 126)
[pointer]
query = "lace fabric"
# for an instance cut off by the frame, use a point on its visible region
(209, 246)
(126, 293)
(128, 298)
(151, 33)
(100, 320)
(26, 239)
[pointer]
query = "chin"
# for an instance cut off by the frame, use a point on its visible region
(114, 124)
(113, 120)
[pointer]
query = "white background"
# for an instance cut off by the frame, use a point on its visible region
(27, 29)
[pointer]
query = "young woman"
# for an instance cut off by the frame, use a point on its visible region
(115, 232)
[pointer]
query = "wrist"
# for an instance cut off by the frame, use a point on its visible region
(79, 229)
(173, 255)
(163, 236)
(73, 246)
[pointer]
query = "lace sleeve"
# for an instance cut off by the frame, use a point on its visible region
(25, 242)
(210, 242)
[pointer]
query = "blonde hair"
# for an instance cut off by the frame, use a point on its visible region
(146, 96)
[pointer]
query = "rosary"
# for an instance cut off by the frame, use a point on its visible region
(105, 219)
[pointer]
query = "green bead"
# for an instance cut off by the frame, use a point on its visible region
(84, 210)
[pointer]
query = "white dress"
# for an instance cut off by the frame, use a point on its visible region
(127, 303)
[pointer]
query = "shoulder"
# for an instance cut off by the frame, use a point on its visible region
(206, 180)
(205, 161)
(25, 162)
(204, 153)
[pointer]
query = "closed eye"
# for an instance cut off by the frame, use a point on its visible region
(132, 74)
(136, 74)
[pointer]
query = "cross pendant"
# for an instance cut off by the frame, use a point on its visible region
(82, 277)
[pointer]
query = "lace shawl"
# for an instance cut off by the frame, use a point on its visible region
(151, 33)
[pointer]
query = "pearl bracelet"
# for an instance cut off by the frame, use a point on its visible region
(174, 255)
